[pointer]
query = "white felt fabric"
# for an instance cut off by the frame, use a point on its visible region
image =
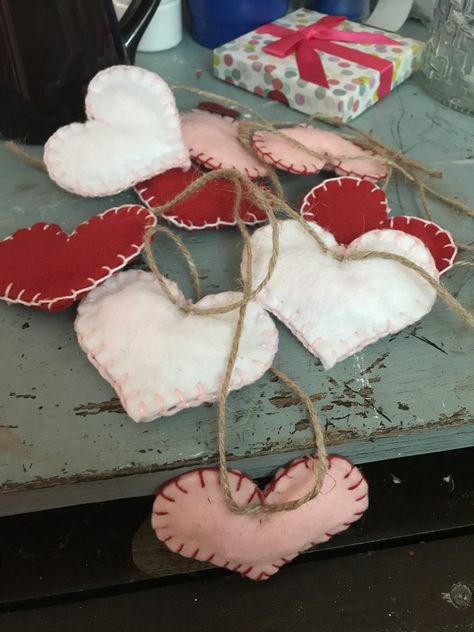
(337, 308)
(133, 133)
(161, 360)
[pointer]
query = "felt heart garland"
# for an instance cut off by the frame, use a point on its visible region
(159, 359)
(132, 133)
(42, 266)
(336, 307)
(211, 206)
(213, 142)
(349, 207)
(334, 153)
(191, 517)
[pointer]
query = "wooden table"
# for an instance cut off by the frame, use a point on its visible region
(63, 438)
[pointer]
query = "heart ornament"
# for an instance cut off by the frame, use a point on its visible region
(213, 143)
(336, 308)
(42, 266)
(211, 206)
(349, 207)
(191, 517)
(132, 133)
(353, 160)
(161, 360)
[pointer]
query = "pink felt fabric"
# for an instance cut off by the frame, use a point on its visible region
(212, 206)
(349, 207)
(213, 142)
(277, 151)
(191, 517)
(44, 267)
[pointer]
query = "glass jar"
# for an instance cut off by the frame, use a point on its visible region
(447, 70)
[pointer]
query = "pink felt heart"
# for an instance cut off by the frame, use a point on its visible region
(349, 207)
(213, 142)
(132, 133)
(212, 206)
(44, 267)
(191, 517)
(338, 154)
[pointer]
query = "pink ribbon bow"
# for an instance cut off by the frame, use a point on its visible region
(306, 43)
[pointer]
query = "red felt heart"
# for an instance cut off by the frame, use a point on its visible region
(191, 517)
(44, 267)
(212, 206)
(349, 207)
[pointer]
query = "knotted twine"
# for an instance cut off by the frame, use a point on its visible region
(270, 202)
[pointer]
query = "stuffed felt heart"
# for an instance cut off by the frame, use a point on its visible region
(336, 308)
(349, 207)
(212, 206)
(160, 359)
(340, 155)
(191, 516)
(213, 142)
(44, 267)
(132, 133)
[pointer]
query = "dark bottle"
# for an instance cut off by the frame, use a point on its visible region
(50, 50)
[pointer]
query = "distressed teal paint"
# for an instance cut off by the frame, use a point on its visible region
(416, 398)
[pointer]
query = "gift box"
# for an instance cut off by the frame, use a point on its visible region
(318, 64)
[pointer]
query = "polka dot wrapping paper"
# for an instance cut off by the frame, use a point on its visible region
(352, 87)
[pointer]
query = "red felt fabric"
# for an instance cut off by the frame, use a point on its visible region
(212, 206)
(439, 241)
(348, 207)
(43, 266)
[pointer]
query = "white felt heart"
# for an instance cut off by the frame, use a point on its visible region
(191, 516)
(337, 308)
(160, 359)
(133, 132)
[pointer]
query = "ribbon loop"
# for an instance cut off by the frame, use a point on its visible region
(307, 42)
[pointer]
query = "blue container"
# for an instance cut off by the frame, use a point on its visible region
(352, 9)
(215, 22)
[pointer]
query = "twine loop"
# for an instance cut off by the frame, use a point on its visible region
(271, 201)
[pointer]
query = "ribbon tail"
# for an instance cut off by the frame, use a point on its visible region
(310, 66)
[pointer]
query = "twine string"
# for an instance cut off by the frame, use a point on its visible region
(272, 201)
